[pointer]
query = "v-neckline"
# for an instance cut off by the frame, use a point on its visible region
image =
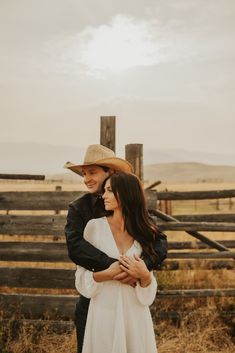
(114, 241)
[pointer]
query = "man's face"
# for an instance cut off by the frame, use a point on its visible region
(93, 177)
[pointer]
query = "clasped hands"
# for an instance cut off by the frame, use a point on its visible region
(130, 270)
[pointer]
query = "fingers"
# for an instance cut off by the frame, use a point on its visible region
(126, 260)
(125, 278)
(125, 269)
(124, 263)
(128, 280)
(120, 276)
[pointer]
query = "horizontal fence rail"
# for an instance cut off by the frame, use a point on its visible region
(197, 226)
(63, 306)
(226, 217)
(32, 225)
(53, 200)
(57, 252)
(23, 277)
(45, 277)
(195, 195)
(37, 200)
(22, 176)
(54, 225)
(197, 245)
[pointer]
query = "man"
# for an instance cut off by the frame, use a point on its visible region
(99, 163)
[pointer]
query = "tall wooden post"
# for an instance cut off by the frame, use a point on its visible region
(134, 155)
(107, 131)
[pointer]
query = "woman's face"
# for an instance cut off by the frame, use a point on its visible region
(110, 201)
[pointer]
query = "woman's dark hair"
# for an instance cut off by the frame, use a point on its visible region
(129, 193)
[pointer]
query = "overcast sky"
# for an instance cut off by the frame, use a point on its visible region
(165, 68)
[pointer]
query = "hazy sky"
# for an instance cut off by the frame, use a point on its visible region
(165, 68)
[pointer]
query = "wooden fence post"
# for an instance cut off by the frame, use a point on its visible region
(134, 155)
(107, 131)
(58, 188)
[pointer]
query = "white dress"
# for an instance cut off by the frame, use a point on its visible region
(119, 319)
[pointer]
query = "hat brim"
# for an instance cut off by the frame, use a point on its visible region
(118, 164)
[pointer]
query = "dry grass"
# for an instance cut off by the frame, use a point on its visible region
(197, 332)
(31, 340)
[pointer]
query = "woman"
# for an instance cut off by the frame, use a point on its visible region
(119, 319)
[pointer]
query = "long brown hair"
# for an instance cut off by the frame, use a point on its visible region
(129, 193)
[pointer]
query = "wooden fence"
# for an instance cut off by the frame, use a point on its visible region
(18, 251)
(54, 251)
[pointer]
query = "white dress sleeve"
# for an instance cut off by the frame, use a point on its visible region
(146, 295)
(84, 281)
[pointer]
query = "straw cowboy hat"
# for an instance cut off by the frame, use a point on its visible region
(103, 157)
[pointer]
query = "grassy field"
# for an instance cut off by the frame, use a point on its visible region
(201, 330)
(198, 333)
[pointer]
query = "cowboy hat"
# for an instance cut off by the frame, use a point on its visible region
(101, 156)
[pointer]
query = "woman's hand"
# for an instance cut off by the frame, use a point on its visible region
(135, 267)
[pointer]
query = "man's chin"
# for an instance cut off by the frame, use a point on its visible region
(93, 190)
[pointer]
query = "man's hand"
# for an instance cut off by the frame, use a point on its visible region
(114, 269)
(124, 278)
(108, 274)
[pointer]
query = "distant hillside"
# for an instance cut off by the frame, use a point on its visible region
(189, 172)
(169, 165)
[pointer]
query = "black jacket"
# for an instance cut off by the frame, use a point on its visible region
(81, 252)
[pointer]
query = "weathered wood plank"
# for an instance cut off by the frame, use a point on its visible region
(64, 278)
(197, 226)
(197, 264)
(59, 200)
(57, 252)
(197, 245)
(134, 155)
(32, 225)
(38, 306)
(34, 252)
(37, 200)
(108, 132)
(37, 277)
(63, 306)
(45, 200)
(212, 243)
(151, 186)
(22, 176)
(54, 225)
(193, 293)
(169, 264)
(227, 217)
(195, 195)
(202, 255)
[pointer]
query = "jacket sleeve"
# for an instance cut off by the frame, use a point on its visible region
(80, 251)
(160, 247)
(146, 295)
